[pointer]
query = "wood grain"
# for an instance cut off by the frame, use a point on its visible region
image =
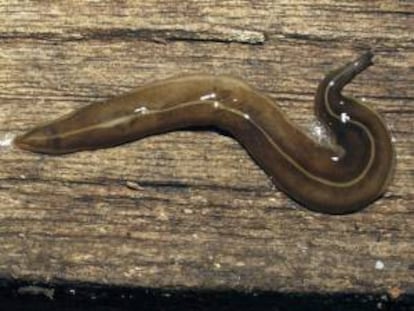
(191, 209)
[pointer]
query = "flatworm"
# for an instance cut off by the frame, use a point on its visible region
(337, 180)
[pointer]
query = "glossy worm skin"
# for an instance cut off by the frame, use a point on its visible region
(337, 180)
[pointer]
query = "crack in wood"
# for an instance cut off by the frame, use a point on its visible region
(163, 36)
(144, 184)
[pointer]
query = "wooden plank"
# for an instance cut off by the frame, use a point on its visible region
(191, 209)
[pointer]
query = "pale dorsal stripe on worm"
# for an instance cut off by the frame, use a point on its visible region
(316, 176)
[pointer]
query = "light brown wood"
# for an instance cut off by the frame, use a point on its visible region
(191, 209)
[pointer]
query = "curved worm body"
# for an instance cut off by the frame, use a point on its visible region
(336, 180)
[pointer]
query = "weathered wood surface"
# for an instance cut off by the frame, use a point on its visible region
(191, 209)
